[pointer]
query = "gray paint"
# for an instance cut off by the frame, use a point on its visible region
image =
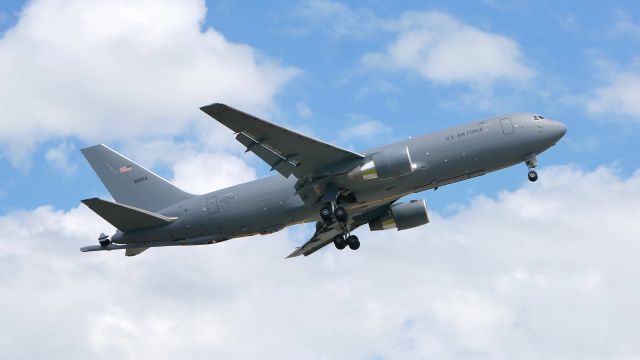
(269, 204)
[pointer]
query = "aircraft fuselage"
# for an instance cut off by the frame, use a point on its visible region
(270, 204)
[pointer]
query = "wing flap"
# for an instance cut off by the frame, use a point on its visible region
(125, 217)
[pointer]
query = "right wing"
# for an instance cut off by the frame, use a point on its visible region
(285, 150)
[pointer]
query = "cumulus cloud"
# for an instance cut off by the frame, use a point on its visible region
(545, 271)
(102, 70)
(437, 46)
(444, 50)
(618, 96)
(58, 158)
(204, 172)
(625, 25)
(365, 129)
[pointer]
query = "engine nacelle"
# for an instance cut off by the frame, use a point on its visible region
(402, 216)
(386, 164)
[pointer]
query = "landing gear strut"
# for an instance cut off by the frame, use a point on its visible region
(531, 162)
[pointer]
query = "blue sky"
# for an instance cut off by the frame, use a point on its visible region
(505, 269)
(570, 49)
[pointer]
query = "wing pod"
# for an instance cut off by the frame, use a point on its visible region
(402, 216)
(384, 165)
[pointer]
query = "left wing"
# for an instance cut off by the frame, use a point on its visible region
(286, 151)
(326, 232)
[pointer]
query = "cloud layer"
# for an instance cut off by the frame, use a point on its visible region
(546, 271)
(103, 70)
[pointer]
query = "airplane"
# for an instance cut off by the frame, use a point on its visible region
(338, 189)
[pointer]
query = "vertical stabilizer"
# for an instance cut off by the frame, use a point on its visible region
(130, 183)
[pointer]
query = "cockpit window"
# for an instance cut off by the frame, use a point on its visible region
(535, 117)
(541, 117)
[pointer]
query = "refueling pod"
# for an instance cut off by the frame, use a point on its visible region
(384, 165)
(402, 216)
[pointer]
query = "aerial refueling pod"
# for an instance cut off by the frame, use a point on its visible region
(386, 164)
(402, 216)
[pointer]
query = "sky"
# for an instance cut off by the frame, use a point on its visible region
(505, 269)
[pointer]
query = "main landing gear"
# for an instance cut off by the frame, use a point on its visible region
(531, 162)
(330, 212)
(341, 242)
(340, 213)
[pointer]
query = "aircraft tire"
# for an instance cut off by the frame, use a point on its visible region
(532, 175)
(339, 242)
(341, 214)
(354, 243)
(325, 214)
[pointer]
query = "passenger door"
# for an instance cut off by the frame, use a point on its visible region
(507, 126)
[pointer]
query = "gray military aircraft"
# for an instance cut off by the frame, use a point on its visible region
(338, 189)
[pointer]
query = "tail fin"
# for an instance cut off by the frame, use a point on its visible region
(130, 183)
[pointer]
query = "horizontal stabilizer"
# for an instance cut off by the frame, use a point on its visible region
(127, 218)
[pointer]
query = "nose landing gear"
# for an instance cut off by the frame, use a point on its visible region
(531, 162)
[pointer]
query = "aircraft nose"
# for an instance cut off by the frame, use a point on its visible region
(556, 130)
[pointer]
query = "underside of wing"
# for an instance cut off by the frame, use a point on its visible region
(285, 150)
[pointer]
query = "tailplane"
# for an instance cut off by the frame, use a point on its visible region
(126, 218)
(130, 183)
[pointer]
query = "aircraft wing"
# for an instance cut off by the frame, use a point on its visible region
(286, 151)
(326, 232)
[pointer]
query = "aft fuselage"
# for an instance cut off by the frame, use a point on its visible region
(269, 204)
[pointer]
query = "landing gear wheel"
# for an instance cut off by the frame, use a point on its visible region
(341, 214)
(353, 242)
(533, 175)
(325, 214)
(339, 242)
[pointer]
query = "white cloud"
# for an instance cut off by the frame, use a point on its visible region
(303, 109)
(365, 129)
(58, 158)
(433, 44)
(546, 271)
(204, 172)
(624, 25)
(618, 97)
(344, 22)
(446, 51)
(103, 70)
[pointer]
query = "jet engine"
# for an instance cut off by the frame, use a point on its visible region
(386, 164)
(402, 216)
